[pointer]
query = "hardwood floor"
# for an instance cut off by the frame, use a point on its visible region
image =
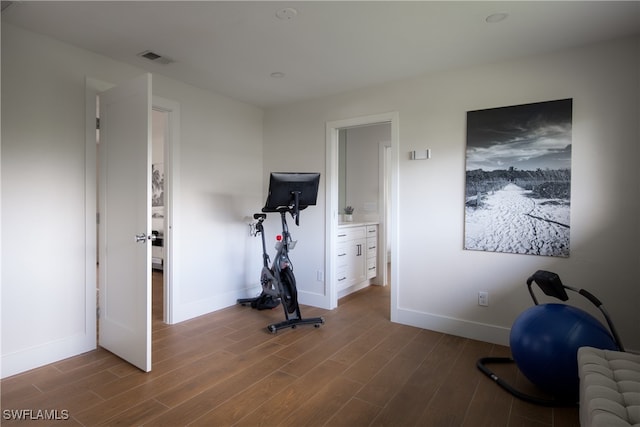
(225, 369)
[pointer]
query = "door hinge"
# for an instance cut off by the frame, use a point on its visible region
(97, 122)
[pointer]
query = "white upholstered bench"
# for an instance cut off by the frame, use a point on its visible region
(609, 388)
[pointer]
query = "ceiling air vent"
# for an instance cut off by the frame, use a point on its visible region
(152, 56)
(5, 4)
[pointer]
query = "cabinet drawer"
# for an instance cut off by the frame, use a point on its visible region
(342, 254)
(342, 278)
(351, 233)
(372, 248)
(372, 231)
(371, 268)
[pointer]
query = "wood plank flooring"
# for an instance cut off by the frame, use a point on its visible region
(225, 369)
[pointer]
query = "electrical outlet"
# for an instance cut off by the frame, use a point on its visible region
(320, 276)
(483, 298)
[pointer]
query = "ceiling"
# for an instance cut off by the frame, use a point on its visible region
(319, 47)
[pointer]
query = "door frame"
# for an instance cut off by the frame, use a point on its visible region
(172, 201)
(384, 152)
(331, 195)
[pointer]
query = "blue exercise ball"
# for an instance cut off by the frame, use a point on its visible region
(544, 344)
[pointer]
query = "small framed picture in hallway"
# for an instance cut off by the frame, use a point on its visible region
(518, 179)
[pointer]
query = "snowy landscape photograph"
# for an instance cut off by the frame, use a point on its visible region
(518, 179)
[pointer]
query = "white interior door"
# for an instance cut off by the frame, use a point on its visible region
(125, 221)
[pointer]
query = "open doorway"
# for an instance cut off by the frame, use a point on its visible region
(381, 208)
(160, 136)
(96, 195)
(159, 120)
(363, 156)
(165, 155)
(160, 251)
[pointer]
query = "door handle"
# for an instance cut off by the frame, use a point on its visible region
(142, 237)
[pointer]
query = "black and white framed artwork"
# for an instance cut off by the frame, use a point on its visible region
(157, 184)
(518, 179)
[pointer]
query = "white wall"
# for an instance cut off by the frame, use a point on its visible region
(438, 280)
(220, 186)
(46, 297)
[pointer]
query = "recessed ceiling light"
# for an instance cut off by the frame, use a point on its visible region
(496, 17)
(277, 75)
(287, 13)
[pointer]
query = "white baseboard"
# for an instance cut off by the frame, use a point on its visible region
(34, 357)
(312, 299)
(449, 325)
(355, 288)
(205, 306)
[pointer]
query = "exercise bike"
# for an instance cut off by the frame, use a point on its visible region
(289, 193)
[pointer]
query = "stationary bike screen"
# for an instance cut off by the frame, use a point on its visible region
(282, 185)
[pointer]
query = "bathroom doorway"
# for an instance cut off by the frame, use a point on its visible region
(363, 177)
(382, 208)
